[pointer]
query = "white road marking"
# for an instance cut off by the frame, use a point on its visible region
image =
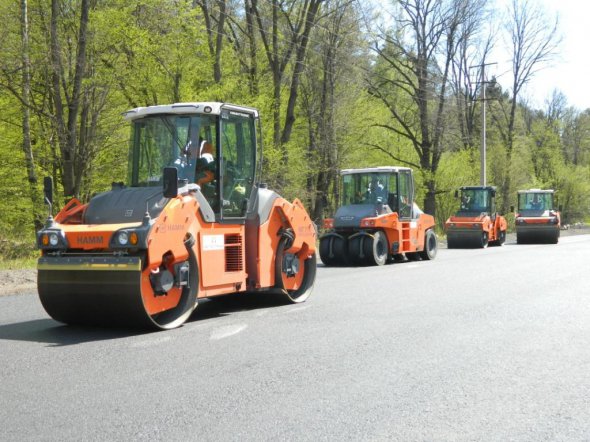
(151, 342)
(227, 331)
(298, 309)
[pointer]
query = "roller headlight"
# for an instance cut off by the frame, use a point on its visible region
(123, 238)
(53, 239)
(129, 238)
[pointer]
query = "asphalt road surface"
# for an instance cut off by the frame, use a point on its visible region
(490, 345)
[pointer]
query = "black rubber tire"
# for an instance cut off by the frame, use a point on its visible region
(451, 244)
(430, 246)
(309, 267)
(413, 256)
(340, 250)
(356, 254)
(325, 245)
(500, 239)
(376, 249)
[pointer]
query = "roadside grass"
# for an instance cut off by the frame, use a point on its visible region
(17, 254)
(28, 263)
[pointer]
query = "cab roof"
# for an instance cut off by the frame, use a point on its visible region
(537, 191)
(209, 108)
(477, 188)
(380, 169)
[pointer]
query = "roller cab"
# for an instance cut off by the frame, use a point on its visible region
(476, 224)
(377, 221)
(537, 219)
(190, 222)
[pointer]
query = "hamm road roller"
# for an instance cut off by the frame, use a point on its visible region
(378, 220)
(476, 223)
(191, 222)
(537, 219)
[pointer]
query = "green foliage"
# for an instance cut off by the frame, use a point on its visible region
(156, 52)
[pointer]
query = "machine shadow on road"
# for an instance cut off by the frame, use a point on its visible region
(57, 334)
(217, 307)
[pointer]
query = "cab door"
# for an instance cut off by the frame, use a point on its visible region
(406, 193)
(223, 247)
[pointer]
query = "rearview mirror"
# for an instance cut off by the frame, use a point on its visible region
(170, 182)
(48, 190)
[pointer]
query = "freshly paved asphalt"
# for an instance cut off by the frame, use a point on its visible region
(490, 345)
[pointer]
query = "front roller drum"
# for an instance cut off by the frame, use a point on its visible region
(467, 240)
(539, 236)
(109, 291)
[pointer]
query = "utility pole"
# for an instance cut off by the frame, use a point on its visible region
(483, 148)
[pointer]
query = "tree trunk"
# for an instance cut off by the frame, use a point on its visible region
(26, 92)
(298, 68)
(430, 197)
(66, 126)
(253, 71)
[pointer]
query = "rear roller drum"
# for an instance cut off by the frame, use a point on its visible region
(484, 240)
(294, 273)
(501, 237)
(187, 303)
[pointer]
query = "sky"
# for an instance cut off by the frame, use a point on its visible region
(569, 72)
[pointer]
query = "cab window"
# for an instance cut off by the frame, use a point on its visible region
(237, 167)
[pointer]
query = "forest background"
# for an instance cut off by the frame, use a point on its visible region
(338, 83)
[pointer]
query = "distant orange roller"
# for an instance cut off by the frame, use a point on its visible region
(476, 223)
(537, 218)
(377, 220)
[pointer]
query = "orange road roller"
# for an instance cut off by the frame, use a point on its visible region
(378, 220)
(537, 219)
(191, 222)
(476, 223)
